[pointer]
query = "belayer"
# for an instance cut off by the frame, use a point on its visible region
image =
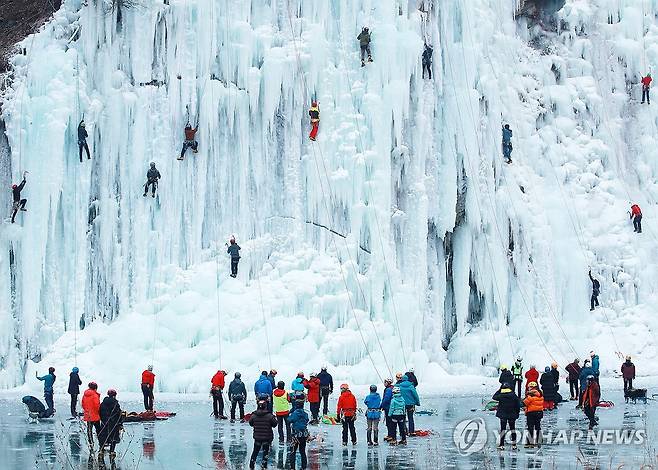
(216, 391)
(190, 132)
(314, 114)
(636, 216)
(628, 373)
(234, 250)
(596, 290)
(74, 390)
(427, 61)
(364, 42)
(19, 204)
(517, 372)
(152, 178)
(82, 140)
(48, 382)
(111, 420)
(507, 143)
(148, 382)
(646, 85)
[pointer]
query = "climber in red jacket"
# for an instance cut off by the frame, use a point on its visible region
(216, 387)
(636, 215)
(646, 84)
(532, 375)
(314, 114)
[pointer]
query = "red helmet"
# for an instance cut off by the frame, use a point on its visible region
(314, 104)
(14, 186)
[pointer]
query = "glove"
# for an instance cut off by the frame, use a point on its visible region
(338, 419)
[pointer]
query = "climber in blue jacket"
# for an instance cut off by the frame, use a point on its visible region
(263, 386)
(411, 400)
(48, 382)
(507, 143)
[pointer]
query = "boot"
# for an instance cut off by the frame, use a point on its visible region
(144, 194)
(363, 64)
(369, 58)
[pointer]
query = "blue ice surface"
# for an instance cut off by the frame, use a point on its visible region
(193, 439)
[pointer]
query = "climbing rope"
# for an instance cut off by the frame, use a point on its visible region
(477, 200)
(512, 202)
(330, 217)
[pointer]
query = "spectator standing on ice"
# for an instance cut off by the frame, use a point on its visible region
(628, 373)
(596, 290)
(517, 373)
(74, 390)
(263, 423)
(534, 412)
(237, 395)
(509, 406)
(646, 86)
(591, 398)
(216, 391)
(373, 414)
(48, 382)
(573, 369)
(346, 413)
(91, 403)
(326, 388)
(281, 404)
(148, 383)
(411, 401)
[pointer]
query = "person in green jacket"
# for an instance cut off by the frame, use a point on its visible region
(517, 372)
(396, 411)
(364, 42)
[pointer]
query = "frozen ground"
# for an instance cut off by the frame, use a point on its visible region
(194, 440)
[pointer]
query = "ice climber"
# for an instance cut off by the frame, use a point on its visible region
(427, 61)
(216, 391)
(596, 290)
(636, 216)
(573, 369)
(346, 412)
(189, 141)
(152, 178)
(517, 372)
(263, 421)
(237, 395)
(148, 382)
(74, 390)
(534, 412)
(628, 373)
(364, 42)
(373, 414)
(595, 365)
(299, 426)
(233, 249)
(82, 140)
(19, 204)
(281, 404)
(48, 382)
(314, 114)
(591, 397)
(646, 85)
(263, 390)
(326, 388)
(91, 403)
(298, 383)
(507, 143)
(111, 419)
(509, 406)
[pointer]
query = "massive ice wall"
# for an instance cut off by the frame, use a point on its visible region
(445, 250)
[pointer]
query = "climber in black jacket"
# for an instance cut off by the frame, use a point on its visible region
(82, 140)
(152, 177)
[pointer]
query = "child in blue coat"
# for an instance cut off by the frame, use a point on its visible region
(298, 420)
(374, 403)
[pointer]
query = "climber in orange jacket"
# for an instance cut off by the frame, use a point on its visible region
(217, 386)
(314, 114)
